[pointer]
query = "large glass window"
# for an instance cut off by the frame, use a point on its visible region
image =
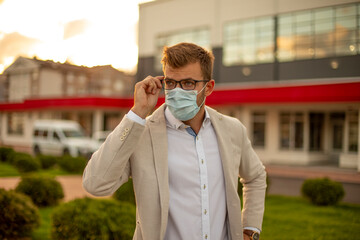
(259, 123)
(291, 130)
(316, 131)
(353, 131)
(15, 123)
(200, 37)
(249, 41)
(319, 33)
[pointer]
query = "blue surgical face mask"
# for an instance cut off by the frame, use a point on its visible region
(182, 103)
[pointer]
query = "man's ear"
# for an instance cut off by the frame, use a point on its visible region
(209, 87)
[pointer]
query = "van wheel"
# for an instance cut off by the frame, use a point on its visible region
(66, 152)
(37, 150)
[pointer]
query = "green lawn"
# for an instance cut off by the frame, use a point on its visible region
(296, 219)
(287, 218)
(7, 170)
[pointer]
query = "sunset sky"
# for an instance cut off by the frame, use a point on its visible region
(83, 32)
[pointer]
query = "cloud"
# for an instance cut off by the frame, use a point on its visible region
(15, 44)
(75, 28)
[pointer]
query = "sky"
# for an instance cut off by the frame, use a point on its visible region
(82, 32)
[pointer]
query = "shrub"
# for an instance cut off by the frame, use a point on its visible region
(25, 162)
(6, 154)
(44, 191)
(125, 193)
(19, 216)
(72, 164)
(47, 161)
(93, 219)
(322, 191)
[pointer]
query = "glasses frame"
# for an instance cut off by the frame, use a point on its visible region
(179, 82)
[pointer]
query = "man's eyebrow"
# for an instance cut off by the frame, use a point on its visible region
(167, 78)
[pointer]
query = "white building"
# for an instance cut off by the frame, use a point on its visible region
(289, 70)
(34, 89)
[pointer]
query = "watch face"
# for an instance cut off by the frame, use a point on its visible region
(256, 236)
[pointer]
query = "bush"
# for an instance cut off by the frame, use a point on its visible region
(19, 216)
(25, 162)
(322, 191)
(6, 154)
(125, 193)
(44, 191)
(47, 161)
(72, 164)
(93, 219)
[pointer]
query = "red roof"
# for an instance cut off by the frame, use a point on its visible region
(314, 93)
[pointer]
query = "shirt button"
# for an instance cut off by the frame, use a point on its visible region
(205, 211)
(202, 161)
(197, 138)
(206, 236)
(204, 186)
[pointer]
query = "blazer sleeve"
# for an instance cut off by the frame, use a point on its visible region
(253, 177)
(109, 166)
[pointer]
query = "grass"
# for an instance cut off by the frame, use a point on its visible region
(7, 170)
(43, 232)
(286, 218)
(296, 219)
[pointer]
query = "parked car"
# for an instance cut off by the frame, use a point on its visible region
(100, 136)
(62, 137)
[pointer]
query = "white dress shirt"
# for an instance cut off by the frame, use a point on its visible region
(197, 207)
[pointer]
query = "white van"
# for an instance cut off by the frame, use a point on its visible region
(61, 137)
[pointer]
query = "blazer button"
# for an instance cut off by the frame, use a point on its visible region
(126, 129)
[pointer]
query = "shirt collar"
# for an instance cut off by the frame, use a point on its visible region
(175, 123)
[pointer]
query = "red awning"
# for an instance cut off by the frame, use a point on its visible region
(312, 93)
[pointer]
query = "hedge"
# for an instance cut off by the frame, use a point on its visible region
(89, 218)
(322, 191)
(44, 191)
(19, 216)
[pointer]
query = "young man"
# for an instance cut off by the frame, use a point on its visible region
(184, 159)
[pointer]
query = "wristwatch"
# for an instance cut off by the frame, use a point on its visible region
(252, 234)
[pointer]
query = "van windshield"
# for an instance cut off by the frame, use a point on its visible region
(71, 133)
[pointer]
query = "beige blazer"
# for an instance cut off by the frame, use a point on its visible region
(141, 152)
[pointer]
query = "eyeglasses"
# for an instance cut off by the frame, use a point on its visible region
(186, 84)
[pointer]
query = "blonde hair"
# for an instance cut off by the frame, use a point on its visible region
(182, 54)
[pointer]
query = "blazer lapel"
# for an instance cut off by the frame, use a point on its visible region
(157, 127)
(224, 141)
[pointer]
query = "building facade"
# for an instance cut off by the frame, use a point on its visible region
(34, 89)
(289, 70)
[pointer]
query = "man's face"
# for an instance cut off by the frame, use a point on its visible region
(190, 71)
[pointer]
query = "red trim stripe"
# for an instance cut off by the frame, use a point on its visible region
(320, 93)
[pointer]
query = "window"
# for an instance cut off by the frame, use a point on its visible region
(249, 41)
(259, 123)
(199, 36)
(291, 130)
(15, 123)
(316, 131)
(353, 131)
(337, 120)
(319, 33)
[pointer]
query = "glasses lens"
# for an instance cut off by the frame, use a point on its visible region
(169, 84)
(188, 84)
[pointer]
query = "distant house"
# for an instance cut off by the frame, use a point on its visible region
(34, 89)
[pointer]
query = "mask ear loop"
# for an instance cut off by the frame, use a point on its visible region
(204, 97)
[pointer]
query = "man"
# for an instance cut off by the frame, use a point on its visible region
(184, 159)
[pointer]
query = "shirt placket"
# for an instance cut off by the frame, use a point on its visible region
(204, 188)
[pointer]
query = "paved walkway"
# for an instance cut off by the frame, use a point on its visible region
(284, 180)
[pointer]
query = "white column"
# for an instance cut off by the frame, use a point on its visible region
(98, 121)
